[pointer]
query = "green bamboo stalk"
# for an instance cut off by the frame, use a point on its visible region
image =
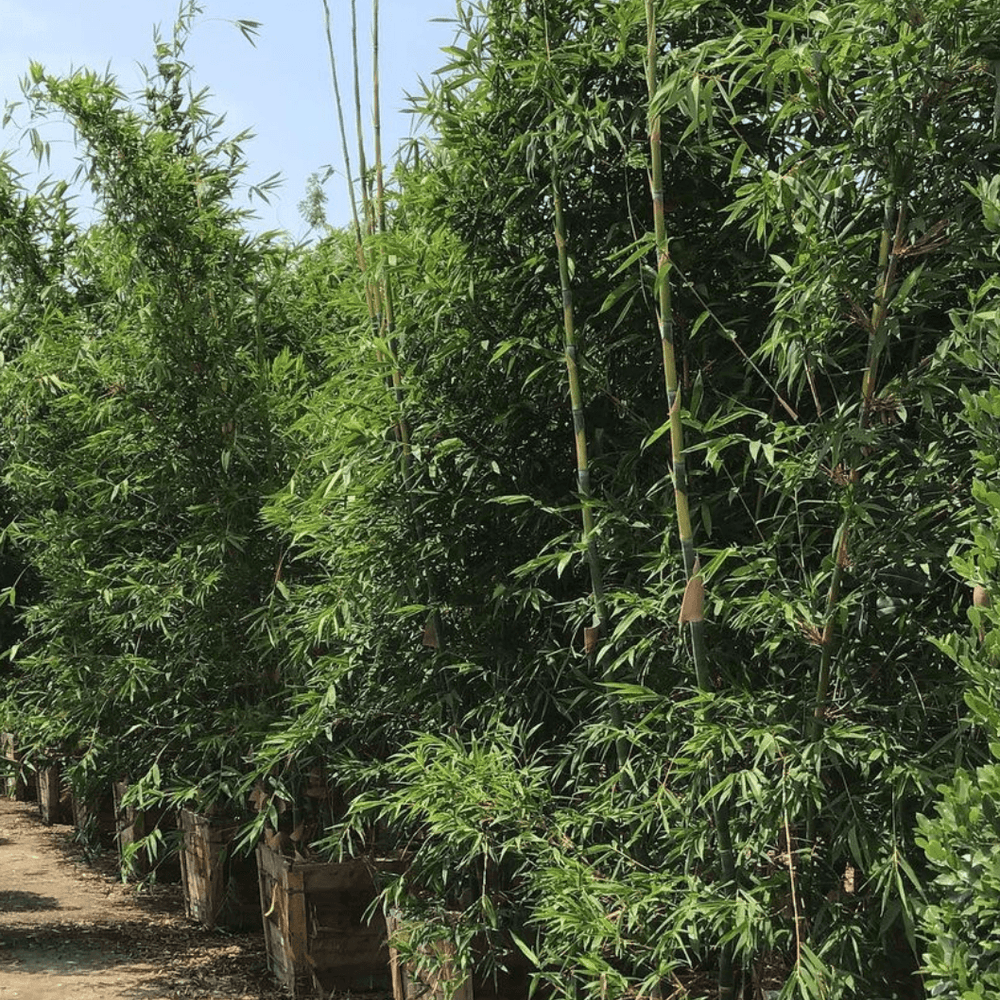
(375, 292)
(385, 284)
(890, 241)
(691, 612)
(436, 637)
(378, 294)
(890, 244)
(380, 225)
(599, 632)
(362, 160)
(340, 120)
(359, 246)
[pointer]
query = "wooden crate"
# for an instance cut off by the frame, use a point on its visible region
(220, 888)
(409, 982)
(317, 935)
(53, 804)
(94, 818)
(132, 824)
(20, 782)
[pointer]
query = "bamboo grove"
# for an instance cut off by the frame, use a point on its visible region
(599, 514)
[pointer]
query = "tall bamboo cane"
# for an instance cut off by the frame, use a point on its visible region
(362, 163)
(381, 228)
(388, 317)
(378, 293)
(433, 634)
(597, 633)
(359, 246)
(691, 608)
(890, 243)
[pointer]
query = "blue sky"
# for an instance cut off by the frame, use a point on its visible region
(280, 89)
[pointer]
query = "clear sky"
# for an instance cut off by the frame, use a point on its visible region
(281, 88)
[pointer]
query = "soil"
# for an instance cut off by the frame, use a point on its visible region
(71, 930)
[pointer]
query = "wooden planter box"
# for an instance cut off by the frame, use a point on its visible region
(409, 982)
(22, 784)
(132, 824)
(94, 819)
(318, 939)
(220, 888)
(53, 803)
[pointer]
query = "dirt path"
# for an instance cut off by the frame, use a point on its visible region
(69, 931)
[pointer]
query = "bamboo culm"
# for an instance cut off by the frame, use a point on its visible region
(890, 243)
(434, 635)
(589, 537)
(359, 244)
(691, 611)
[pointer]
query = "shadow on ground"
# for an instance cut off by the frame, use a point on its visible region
(19, 901)
(60, 951)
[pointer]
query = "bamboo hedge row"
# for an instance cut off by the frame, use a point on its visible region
(598, 515)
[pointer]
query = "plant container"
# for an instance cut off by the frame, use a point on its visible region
(412, 982)
(94, 818)
(53, 802)
(220, 887)
(132, 823)
(318, 928)
(21, 782)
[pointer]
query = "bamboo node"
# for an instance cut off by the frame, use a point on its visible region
(591, 639)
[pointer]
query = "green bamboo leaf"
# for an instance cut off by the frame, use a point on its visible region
(528, 953)
(649, 441)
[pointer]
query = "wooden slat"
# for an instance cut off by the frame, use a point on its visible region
(216, 886)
